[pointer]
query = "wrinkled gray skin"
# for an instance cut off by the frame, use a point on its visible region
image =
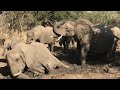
(8, 45)
(35, 57)
(81, 30)
(43, 35)
(65, 41)
(87, 37)
(34, 34)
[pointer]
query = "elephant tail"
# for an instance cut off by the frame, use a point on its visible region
(59, 63)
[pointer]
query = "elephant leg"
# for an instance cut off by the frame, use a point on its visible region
(111, 52)
(73, 42)
(4, 52)
(51, 47)
(67, 42)
(64, 42)
(79, 50)
(84, 51)
(114, 48)
(60, 42)
(36, 70)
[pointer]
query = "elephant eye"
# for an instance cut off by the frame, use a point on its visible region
(67, 28)
(17, 60)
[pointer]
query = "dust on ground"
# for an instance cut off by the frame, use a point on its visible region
(94, 69)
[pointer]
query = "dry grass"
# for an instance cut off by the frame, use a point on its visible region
(15, 35)
(107, 17)
(20, 37)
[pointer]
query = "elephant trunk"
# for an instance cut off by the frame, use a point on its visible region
(16, 74)
(56, 29)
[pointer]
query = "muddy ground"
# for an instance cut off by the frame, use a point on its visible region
(96, 68)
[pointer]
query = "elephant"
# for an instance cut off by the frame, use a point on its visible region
(82, 32)
(116, 32)
(8, 45)
(43, 35)
(90, 38)
(34, 57)
(104, 41)
(48, 37)
(66, 41)
(34, 34)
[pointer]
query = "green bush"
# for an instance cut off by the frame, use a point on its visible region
(23, 20)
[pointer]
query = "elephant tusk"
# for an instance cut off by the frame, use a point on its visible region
(51, 36)
(17, 74)
(59, 38)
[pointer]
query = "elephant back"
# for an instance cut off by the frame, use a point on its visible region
(104, 42)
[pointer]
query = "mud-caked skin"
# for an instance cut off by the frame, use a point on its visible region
(81, 30)
(35, 57)
(8, 45)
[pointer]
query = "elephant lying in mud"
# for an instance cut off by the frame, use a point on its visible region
(95, 38)
(43, 35)
(35, 57)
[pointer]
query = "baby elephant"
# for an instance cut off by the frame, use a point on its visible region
(35, 57)
(43, 35)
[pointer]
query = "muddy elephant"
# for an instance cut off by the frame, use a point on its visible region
(87, 37)
(82, 32)
(43, 35)
(66, 41)
(34, 34)
(116, 32)
(8, 45)
(34, 57)
(104, 41)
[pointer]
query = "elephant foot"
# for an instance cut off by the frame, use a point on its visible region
(83, 62)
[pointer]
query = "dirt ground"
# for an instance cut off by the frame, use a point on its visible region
(94, 69)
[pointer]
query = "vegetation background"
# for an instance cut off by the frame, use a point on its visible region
(14, 24)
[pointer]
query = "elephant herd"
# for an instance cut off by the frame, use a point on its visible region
(36, 57)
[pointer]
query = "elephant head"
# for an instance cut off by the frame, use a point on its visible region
(65, 28)
(68, 28)
(17, 61)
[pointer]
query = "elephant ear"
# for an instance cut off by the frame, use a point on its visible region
(71, 26)
(30, 33)
(26, 57)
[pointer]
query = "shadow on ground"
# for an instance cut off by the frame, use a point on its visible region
(5, 71)
(71, 56)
